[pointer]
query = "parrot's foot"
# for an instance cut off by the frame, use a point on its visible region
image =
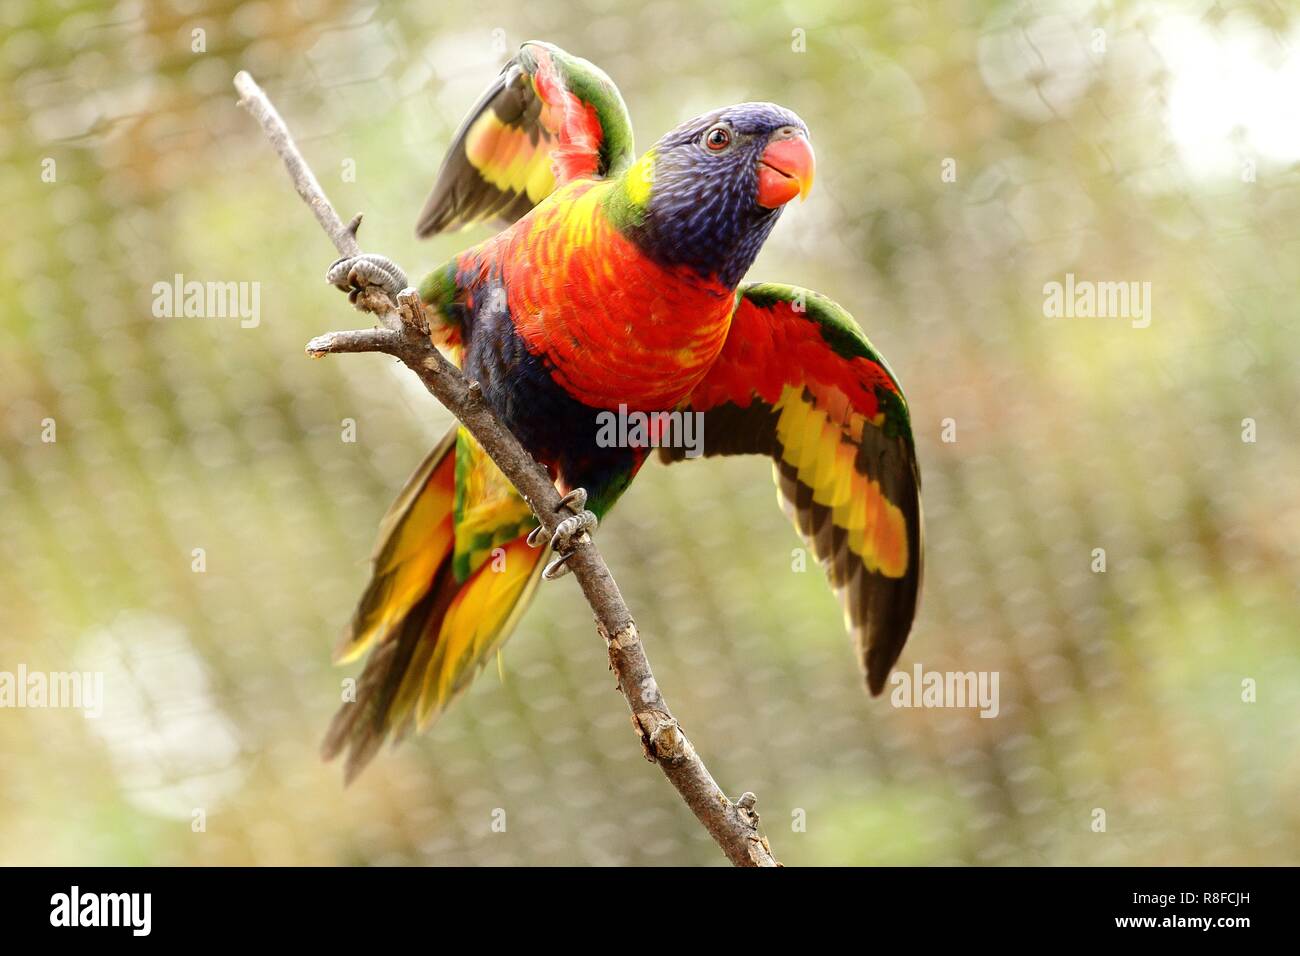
(353, 274)
(568, 531)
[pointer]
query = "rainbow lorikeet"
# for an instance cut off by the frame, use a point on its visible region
(617, 286)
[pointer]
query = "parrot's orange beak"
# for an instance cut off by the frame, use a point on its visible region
(785, 170)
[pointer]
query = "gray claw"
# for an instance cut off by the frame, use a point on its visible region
(580, 522)
(353, 273)
(568, 530)
(558, 567)
(575, 500)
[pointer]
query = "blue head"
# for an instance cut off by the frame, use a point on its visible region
(716, 186)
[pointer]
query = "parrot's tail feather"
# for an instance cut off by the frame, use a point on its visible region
(429, 629)
(362, 723)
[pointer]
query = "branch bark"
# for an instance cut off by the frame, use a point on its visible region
(404, 335)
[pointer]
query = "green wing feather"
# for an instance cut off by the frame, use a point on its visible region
(548, 118)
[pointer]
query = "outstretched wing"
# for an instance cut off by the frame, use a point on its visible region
(549, 118)
(797, 380)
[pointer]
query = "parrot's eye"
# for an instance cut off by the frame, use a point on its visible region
(718, 138)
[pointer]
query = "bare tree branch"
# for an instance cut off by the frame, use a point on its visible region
(734, 826)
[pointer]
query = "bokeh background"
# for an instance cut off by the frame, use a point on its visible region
(1143, 141)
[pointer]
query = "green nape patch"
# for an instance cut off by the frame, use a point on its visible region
(630, 196)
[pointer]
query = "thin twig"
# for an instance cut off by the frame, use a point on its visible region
(734, 826)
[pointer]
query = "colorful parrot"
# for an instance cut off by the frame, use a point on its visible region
(616, 285)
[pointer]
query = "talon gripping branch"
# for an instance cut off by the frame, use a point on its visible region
(616, 284)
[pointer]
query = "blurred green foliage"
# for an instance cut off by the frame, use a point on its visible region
(1102, 155)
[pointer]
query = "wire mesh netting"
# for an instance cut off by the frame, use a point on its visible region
(1112, 508)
